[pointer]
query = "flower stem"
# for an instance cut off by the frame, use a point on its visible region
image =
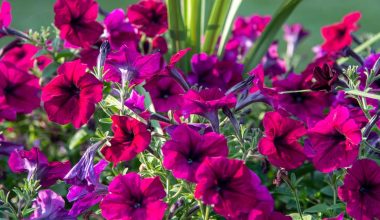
(295, 194)
(207, 213)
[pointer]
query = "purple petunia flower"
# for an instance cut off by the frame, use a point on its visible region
(37, 165)
(293, 35)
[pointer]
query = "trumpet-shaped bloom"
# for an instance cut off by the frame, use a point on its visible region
(187, 149)
(361, 190)
(71, 96)
(280, 143)
(76, 20)
(131, 137)
(231, 187)
(334, 141)
(132, 197)
(5, 15)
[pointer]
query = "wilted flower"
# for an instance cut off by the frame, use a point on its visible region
(71, 96)
(338, 35)
(187, 149)
(37, 165)
(119, 31)
(19, 91)
(324, 78)
(280, 143)
(131, 137)
(49, 206)
(231, 187)
(133, 197)
(76, 21)
(127, 65)
(361, 189)
(334, 141)
(149, 17)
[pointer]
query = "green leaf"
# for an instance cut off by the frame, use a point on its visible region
(215, 24)
(50, 69)
(105, 120)
(363, 94)
(317, 208)
(79, 138)
(177, 29)
(261, 46)
(296, 216)
(227, 26)
(26, 212)
(194, 20)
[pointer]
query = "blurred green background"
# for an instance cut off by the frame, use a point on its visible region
(313, 14)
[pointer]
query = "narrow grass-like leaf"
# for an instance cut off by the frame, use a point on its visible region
(227, 26)
(215, 24)
(177, 28)
(194, 24)
(260, 47)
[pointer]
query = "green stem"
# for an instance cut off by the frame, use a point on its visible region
(363, 94)
(207, 213)
(215, 23)
(194, 25)
(295, 194)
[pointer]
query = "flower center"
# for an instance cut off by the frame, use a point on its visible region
(298, 97)
(339, 137)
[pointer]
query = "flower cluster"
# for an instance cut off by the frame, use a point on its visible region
(158, 127)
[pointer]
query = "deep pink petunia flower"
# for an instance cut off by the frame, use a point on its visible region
(280, 143)
(119, 31)
(135, 102)
(5, 15)
(165, 92)
(131, 137)
(22, 55)
(133, 197)
(305, 105)
(187, 149)
(231, 187)
(149, 17)
(71, 96)
(36, 164)
(159, 43)
(76, 20)
(334, 141)
(361, 190)
(209, 72)
(130, 66)
(338, 35)
(19, 91)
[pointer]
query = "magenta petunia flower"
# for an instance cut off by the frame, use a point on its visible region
(361, 190)
(231, 187)
(131, 137)
(76, 20)
(334, 141)
(49, 206)
(71, 96)
(130, 66)
(37, 165)
(135, 102)
(133, 197)
(149, 17)
(305, 105)
(165, 92)
(119, 31)
(281, 141)
(209, 72)
(19, 91)
(187, 149)
(338, 35)
(22, 55)
(159, 43)
(5, 15)
(272, 62)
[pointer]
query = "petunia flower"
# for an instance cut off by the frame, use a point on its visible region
(5, 15)
(361, 190)
(76, 20)
(84, 197)
(131, 137)
(293, 35)
(133, 197)
(334, 141)
(19, 91)
(281, 141)
(324, 78)
(272, 62)
(71, 96)
(307, 106)
(149, 17)
(206, 103)
(127, 65)
(231, 187)
(159, 43)
(119, 31)
(22, 55)
(369, 65)
(165, 92)
(49, 206)
(209, 72)
(135, 102)
(37, 165)
(187, 149)
(338, 35)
